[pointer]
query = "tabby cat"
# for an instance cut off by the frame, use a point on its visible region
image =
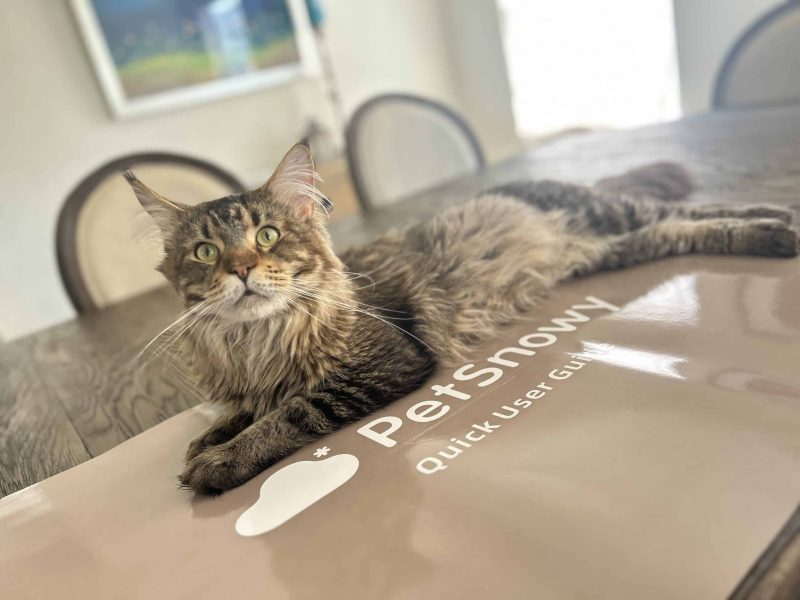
(297, 343)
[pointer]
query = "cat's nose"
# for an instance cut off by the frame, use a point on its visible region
(242, 271)
(241, 265)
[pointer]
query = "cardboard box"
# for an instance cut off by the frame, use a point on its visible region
(645, 452)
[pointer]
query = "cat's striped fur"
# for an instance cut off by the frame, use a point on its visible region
(319, 347)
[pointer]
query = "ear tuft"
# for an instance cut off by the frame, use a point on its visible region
(164, 212)
(294, 183)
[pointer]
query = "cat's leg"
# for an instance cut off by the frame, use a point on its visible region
(269, 439)
(733, 211)
(611, 208)
(665, 180)
(760, 237)
(227, 426)
(592, 211)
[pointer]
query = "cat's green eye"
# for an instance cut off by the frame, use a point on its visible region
(205, 252)
(267, 236)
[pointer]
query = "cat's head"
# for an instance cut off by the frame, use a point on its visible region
(252, 255)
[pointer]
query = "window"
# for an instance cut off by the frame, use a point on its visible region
(584, 63)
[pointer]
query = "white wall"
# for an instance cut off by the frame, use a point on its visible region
(706, 30)
(56, 129)
(475, 39)
(388, 46)
(448, 50)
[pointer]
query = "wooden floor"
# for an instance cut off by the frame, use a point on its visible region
(76, 390)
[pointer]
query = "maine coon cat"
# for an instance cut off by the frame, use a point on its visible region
(297, 344)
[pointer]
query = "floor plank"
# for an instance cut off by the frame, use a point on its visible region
(37, 438)
(108, 391)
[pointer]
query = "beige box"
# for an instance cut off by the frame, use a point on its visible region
(638, 436)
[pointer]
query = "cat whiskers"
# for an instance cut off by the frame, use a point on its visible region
(186, 321)
(319, 298)
(196, 323)
(360, 276)
(372, 283)
(165, 348)
(344, 302)
(301, 285)
(185, 315)
(296, 304)
(350, 276)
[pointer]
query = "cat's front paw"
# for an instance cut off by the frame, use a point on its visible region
(195, 448)
(215, 470)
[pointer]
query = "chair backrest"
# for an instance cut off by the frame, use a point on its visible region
(398, 144)
(763, 67)
(100, 261)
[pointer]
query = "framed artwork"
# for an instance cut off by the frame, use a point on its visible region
(154, 55)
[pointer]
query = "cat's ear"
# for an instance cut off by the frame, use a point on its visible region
(294, 182)
(165, 213)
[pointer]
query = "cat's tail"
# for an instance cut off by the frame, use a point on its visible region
(664, 180)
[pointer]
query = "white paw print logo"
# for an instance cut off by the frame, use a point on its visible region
(292, 489)
(320, 452)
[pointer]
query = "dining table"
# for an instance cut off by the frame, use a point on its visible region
(74, 391)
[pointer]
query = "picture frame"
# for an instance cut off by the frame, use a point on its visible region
(227, 48)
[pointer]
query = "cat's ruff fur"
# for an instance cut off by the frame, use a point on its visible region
(306, 342)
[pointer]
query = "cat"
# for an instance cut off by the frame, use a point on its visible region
(297, 342)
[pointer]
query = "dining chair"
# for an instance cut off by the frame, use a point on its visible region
(399, 144)
(100, 261)
(762, 67)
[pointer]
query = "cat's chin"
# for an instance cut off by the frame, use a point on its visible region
(253, 308)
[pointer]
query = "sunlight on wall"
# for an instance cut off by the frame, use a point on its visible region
(576, 63)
